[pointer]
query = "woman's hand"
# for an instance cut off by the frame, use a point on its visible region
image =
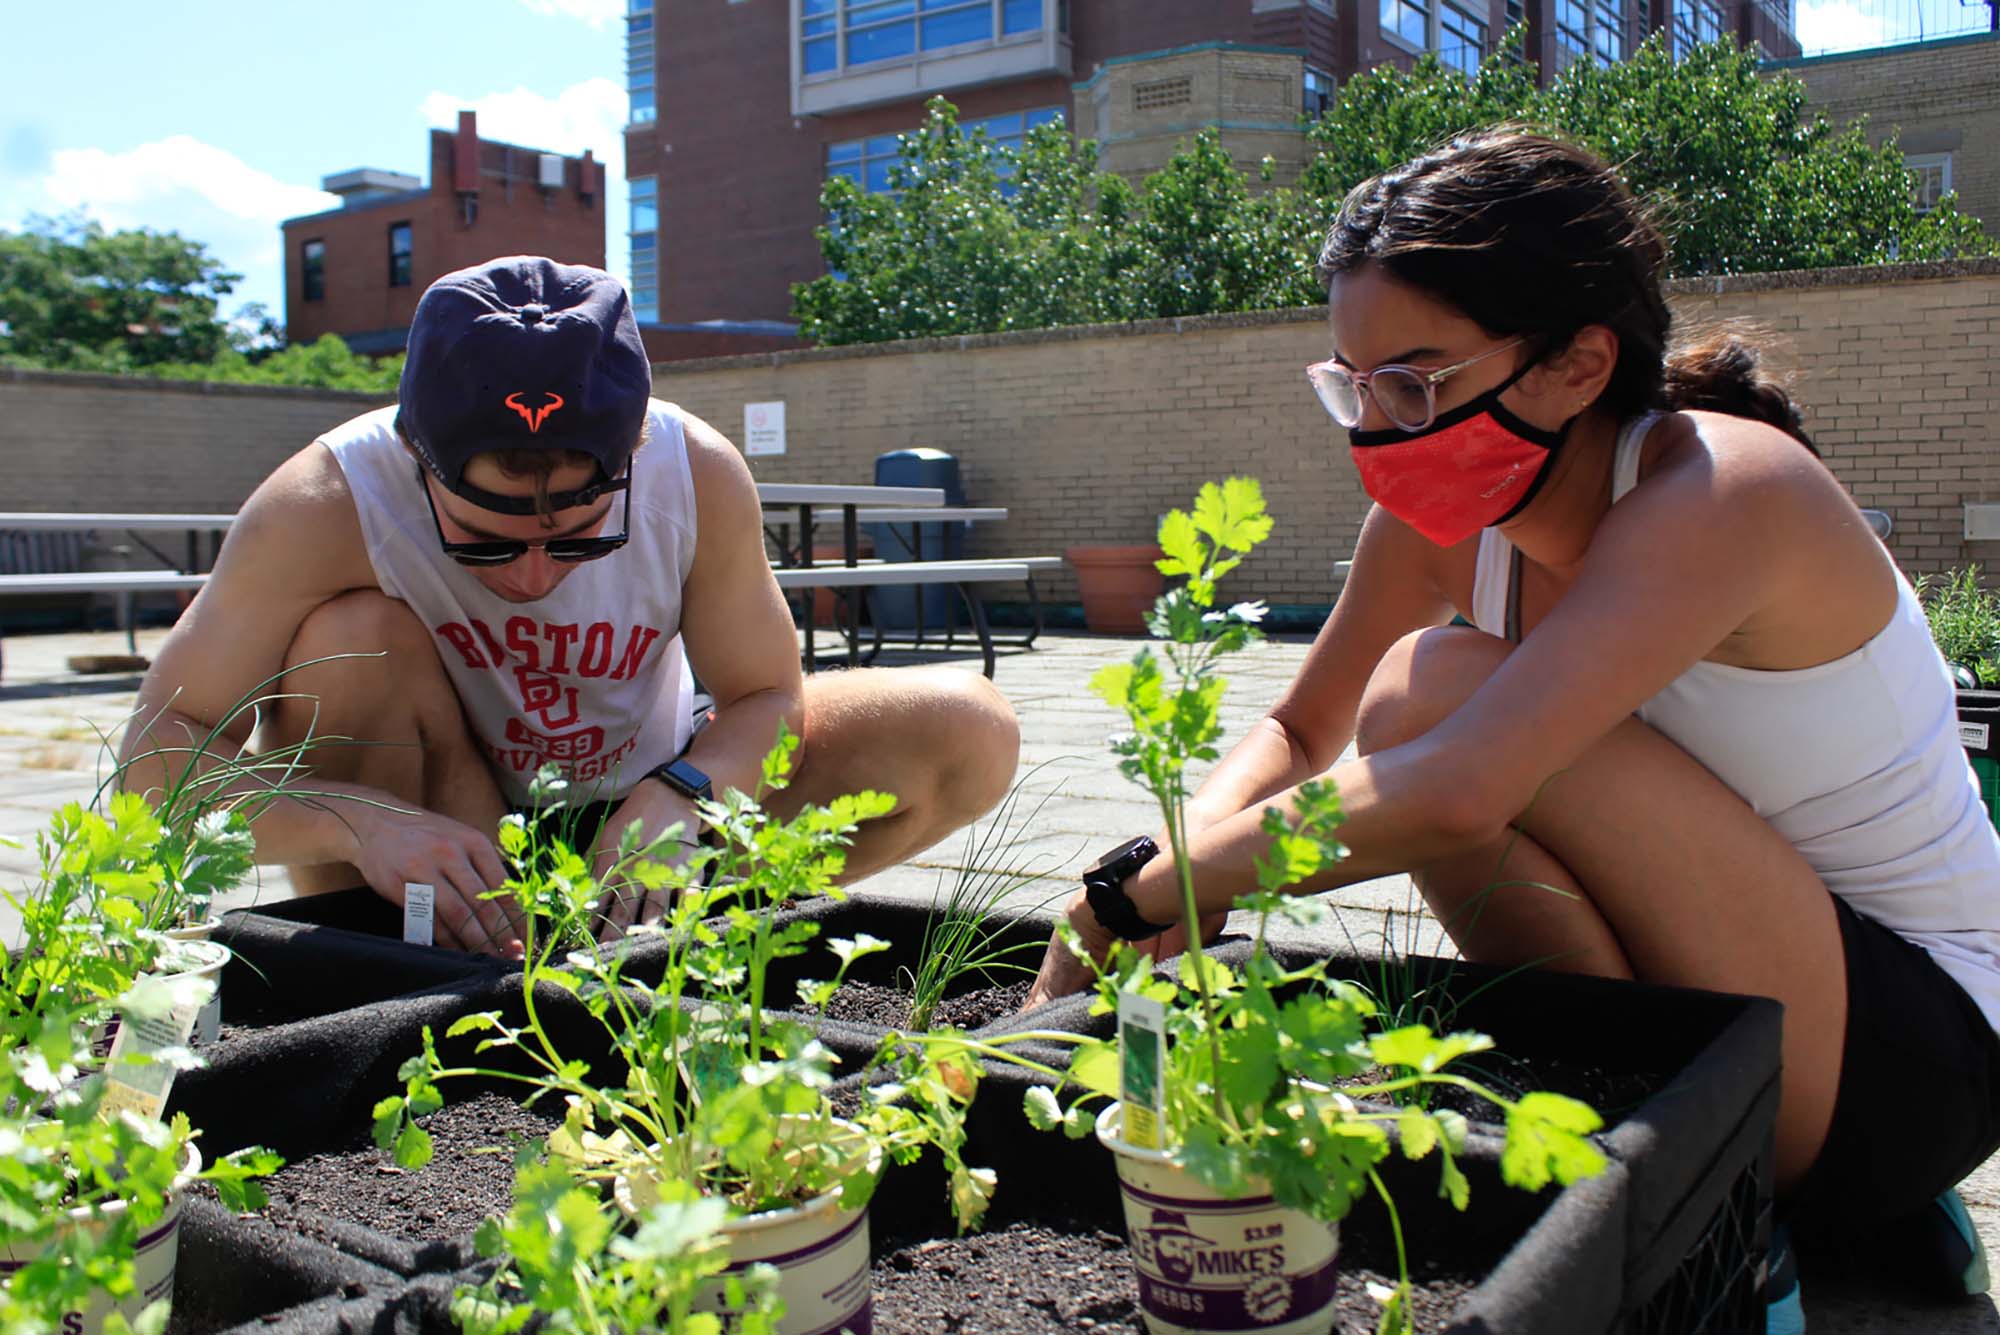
(1062, 973)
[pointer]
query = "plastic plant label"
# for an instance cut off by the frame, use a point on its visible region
(134, 1079)
(1142, 1061)
(419, 910)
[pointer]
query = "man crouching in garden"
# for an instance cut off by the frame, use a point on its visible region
(535, 555)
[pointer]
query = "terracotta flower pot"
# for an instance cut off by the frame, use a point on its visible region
(1118, 585)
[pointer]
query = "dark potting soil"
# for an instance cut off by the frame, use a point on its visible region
(448, 1198)
(1059, 1277)
(874, 1003)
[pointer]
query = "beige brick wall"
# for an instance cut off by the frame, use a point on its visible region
(1938, 97)
(114, 443)
(1089, 435)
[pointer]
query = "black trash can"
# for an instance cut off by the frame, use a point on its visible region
(895, 605)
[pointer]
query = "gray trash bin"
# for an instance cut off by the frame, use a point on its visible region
(895, 606)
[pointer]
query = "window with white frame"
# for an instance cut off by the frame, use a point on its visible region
(1318, 87)
(837, 35)
(644, 231)
(866, 162)
(639, 63)
(1930, 179)
(1696, 23)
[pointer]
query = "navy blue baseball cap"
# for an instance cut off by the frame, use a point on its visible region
(523, 352)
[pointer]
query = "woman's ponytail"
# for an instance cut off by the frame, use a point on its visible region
(1721, 370)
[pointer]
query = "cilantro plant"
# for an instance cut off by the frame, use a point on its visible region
(722, 1098)
(1278, 1079)
(566, 1262)
(65, 1145)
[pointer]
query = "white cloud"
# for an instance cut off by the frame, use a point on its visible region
(599, 14)
(588, 115)
(1839, 25)
(181, 184)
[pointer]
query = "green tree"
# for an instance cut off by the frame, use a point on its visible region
(76, 297)
(1726, 158)
(326, 363)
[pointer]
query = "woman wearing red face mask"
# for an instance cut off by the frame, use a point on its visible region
(1695, 694)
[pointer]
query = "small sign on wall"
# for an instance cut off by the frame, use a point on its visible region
(764, 428)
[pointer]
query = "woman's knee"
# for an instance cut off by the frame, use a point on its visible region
(1423, 678)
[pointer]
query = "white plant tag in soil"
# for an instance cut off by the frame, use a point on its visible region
(161, 1016)
(419, 911)
(1142, 1051)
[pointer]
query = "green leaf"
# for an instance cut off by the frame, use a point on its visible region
(467, 1024)
(1041, 1108)
(413, 1147)
(1418, 1133)
(1094, 1065)
(1416, 1047)
(1545, 1139)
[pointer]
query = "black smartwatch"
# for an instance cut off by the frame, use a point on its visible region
(1104, 887)
(684, 779)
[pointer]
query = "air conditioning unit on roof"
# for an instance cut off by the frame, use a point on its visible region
(552, 171)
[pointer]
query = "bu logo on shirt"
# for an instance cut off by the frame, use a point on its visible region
(534, 417)
(546, 695)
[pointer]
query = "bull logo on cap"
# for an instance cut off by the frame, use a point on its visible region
(534, 417)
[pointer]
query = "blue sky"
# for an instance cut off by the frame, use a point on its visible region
(218, 120)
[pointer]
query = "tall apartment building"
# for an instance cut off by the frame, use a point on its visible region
(358, 270)
(742, 108)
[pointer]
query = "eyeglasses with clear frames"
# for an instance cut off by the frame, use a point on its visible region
(1407, 395)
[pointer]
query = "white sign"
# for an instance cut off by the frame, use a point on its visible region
(764, 428)
(419, 912)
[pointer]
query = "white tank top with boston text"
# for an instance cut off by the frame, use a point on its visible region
(592, 678)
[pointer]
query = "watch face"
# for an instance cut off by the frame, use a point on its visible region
(1120, 853)
(685, 778)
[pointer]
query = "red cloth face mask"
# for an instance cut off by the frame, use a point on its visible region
(1472, 468)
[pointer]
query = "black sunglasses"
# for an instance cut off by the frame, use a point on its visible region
(500, 551)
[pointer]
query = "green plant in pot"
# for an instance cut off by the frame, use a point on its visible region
(1965, 625)
(721, 1098)
(91, 1177)
(1250, 1108)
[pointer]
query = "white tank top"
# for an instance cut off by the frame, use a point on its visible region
(591, 678)
(1857, 763)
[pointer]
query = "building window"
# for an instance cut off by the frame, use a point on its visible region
(1696, 23)
(1461, 39)
(639, 62)
(1930, 179)
(312, 270)
(1589, 29)
(399, 254)
(645, 236)
(866, 162)
(841, 34)
(1319, 93)
(1408, 21)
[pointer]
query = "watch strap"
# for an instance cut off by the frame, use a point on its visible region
(1104, 888)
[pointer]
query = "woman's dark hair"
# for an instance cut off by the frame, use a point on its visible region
(1530, 236)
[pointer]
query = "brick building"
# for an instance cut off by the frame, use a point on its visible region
(358, 270)
(1941, 99)
(741, 110)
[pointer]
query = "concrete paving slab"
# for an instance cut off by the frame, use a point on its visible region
(48, 747)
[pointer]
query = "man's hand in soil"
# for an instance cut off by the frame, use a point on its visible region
(399, 846)
(626, 903)
(1063, 973)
